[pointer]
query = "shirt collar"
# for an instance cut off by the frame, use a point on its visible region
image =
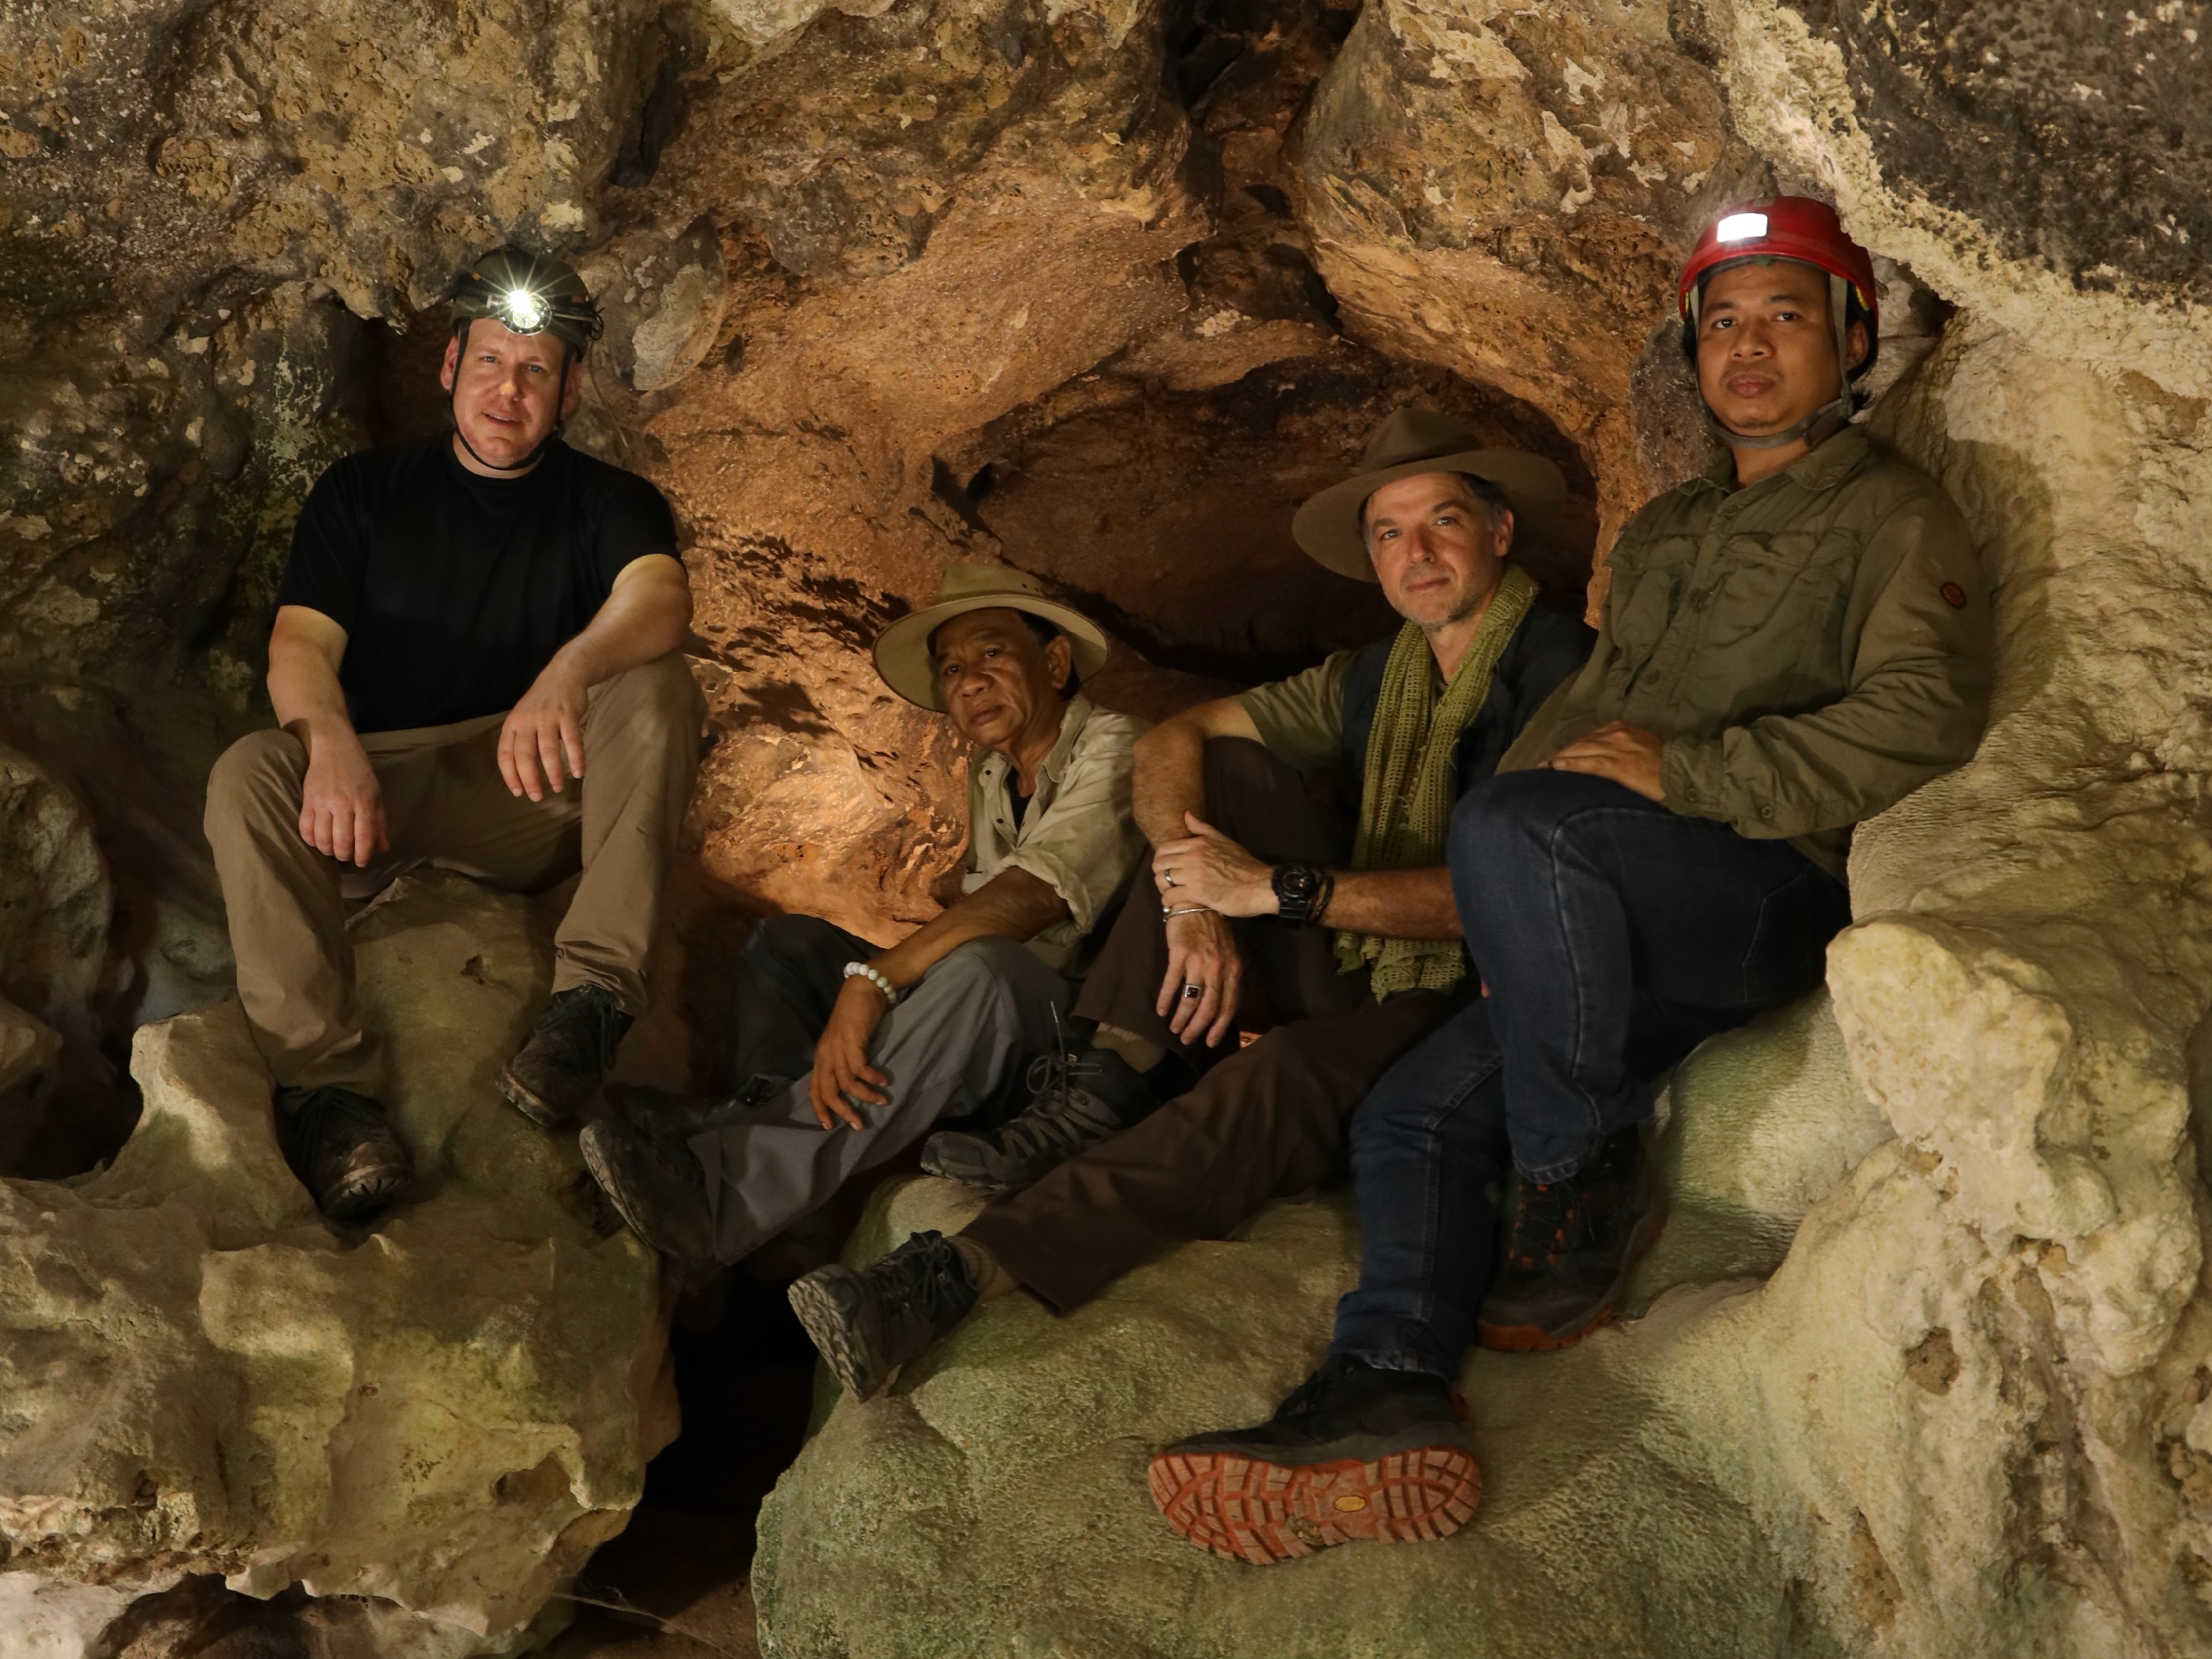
(1072, 721)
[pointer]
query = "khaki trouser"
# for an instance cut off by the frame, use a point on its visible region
(446, 803)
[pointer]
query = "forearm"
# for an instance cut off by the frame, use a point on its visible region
(1013, 904)
(1792, 775)
(305, 692)
(1169, 779)
(645, 617)
(1395, 904)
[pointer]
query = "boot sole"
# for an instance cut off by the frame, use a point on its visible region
(1246, 1509)
(828, 1323)
(691, 1264)
(360, 1198)
(544, 1115)
(1539, 1339)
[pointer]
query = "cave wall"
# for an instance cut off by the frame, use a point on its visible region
(1101, 288)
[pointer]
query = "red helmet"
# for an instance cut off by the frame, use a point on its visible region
(1782, 228)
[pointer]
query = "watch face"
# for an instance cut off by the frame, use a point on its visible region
(1297, 881)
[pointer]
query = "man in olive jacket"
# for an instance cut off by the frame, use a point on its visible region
(1790, 644)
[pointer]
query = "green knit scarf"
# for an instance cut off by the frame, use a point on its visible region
(1405, 811)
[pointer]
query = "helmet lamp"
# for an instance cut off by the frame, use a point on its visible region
(522, 311)
(1740, 227)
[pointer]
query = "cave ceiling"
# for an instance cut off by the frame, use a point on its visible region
(1099, 289)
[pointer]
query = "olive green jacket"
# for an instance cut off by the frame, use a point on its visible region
(1812, 648)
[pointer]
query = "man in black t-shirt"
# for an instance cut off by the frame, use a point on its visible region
(466, 621)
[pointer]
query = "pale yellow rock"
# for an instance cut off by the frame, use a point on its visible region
(196, 1375)
(1621, 1509)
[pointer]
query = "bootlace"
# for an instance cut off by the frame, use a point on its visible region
(1062, 1113)
(585, 1020)
(1324, 1389)
(1545, 1222)
(925, 1277)
(323, 1114)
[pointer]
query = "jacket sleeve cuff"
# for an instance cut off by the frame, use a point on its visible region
(1690, 776)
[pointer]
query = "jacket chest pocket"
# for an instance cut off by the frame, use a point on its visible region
(1769, 590)
(1646, 593)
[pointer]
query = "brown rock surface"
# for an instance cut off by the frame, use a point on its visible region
(1100, 289)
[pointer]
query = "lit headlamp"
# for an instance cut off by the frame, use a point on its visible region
(522, 310)
(526, 292)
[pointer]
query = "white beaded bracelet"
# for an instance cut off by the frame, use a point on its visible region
(875, 977)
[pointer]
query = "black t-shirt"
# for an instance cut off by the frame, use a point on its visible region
(455, 590)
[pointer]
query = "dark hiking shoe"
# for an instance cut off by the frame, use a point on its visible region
(656, 1187)
(1355, 1452)
(343, 1150)
(660, 1116)
(1076, 1100)
(570, 1048)
(867, 1324)
(1570, 1248)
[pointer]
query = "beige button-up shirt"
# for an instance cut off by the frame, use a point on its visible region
(1076, 834)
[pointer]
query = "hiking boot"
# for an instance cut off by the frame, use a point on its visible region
(1355, 1452)
(660, 1116)
(867, 1324)
(656, 1187)
(1570, 1250)
(570, 1048)
(342, 1148)
(1076, 1100)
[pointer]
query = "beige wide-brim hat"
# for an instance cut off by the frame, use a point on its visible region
(902, 649)
(1408, 443)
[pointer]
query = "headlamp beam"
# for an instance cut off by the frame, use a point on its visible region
(522, 311)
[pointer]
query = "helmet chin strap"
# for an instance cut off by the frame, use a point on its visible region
(1824, 422)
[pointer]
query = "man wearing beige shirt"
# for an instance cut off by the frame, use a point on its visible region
(843, 1054)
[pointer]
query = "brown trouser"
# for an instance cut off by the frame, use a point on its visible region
(446, 803)
(1267, 1121)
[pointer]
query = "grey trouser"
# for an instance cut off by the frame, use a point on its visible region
(955, 1045)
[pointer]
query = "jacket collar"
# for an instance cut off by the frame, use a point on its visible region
(1827, 467)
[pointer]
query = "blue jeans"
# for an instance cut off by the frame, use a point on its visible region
(1613, 936)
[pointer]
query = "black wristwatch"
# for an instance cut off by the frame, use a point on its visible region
(1301, 892)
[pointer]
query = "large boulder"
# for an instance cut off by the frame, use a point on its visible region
(1829, 1422)
(1624, 1485)
(199, 1376)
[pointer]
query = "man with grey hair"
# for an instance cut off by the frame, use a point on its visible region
(842, 1053)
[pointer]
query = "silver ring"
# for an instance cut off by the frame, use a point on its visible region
(1171, 881)
(1191, 991)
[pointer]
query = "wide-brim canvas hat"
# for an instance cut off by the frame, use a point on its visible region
(1410, 442)
(902, 649)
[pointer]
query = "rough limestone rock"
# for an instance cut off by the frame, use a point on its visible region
(29, 1048)
(54, 898)
(198, 1375)
(1098, 287)
(1618, 1511)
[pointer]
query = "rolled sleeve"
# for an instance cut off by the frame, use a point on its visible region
(1086, 844)
(1301, 720)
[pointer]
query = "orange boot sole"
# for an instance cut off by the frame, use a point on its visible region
(1245, 1511)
